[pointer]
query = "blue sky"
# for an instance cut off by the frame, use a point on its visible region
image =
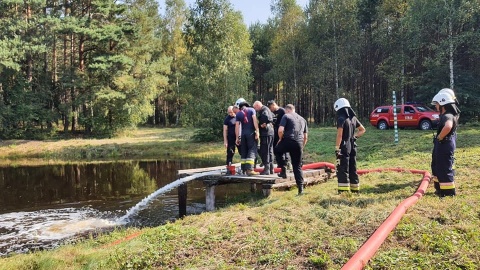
(252, 10)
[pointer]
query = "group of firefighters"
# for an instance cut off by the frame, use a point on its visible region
(282, 134)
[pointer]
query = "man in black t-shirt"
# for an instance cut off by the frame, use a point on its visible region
(229, 134)
(265, 125)
(293, 135)
(278, 113)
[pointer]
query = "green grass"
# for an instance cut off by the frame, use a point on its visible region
(320, 230)
(144, 143)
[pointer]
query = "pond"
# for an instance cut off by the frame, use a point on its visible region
(42, 207)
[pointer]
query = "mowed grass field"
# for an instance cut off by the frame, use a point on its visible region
(319, 230)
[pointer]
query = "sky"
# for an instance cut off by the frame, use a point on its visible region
(252, 10)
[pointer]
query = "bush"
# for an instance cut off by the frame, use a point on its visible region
(207, 135)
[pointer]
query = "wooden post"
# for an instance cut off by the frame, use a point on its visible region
(210, 198)
(182, 200)
(253, 187)
(267, 189)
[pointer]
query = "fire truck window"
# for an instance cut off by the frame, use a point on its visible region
(409, 109)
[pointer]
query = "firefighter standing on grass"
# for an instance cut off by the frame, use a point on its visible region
(293, 135)
(345, 146)
(444, 143)
(246, 132)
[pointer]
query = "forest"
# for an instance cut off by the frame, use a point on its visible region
(98, 67)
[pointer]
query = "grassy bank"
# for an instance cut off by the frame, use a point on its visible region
(145, 143)
(320, 230)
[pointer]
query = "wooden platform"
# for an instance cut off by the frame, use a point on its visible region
(268, 182)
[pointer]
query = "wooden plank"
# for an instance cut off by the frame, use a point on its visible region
(307, 181)
(182, 173)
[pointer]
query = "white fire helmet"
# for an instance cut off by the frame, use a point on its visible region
(240, 100)
(442, 99)
(448, 91)
(341, 103)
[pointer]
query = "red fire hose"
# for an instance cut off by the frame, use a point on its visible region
(311, 166)
(370, 247)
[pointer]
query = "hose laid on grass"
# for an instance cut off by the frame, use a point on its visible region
(360, 259)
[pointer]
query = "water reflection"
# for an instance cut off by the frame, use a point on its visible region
(42, 206)
(36, 187)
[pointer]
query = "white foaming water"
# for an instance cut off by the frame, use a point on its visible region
(143, 203)
(23, 231)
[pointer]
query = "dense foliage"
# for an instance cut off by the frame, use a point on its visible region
(100, 66)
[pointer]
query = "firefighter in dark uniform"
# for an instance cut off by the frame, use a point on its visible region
(246, 131)
(265, 124)
(229, 138)
(345, 146)
(292, 137)
(444, 143)
(278, 113)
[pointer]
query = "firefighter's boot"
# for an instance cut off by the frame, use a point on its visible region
(300, 189)
(266, 170)
(271, 167)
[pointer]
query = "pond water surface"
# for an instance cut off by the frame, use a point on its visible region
(44, 206)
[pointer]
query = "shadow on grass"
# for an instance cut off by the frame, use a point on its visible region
(252, 199)
(385, 188)
(352, 201)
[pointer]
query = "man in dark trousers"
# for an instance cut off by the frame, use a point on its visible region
(445, 143)
(246, 132)
(265, 124)
(278, 113)
(292, 137)
(345, 146)
(229, 138)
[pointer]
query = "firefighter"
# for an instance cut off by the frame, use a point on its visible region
(444, 144)
(345, 146)
(278, 113)
(292, 137)
(246, 132)
(265, 120)
(451, 93)
(229, 138)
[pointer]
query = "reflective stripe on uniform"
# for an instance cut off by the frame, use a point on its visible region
(344, 186)
(449, 185)
(243, 161)
(355, 187)
(249, 161)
